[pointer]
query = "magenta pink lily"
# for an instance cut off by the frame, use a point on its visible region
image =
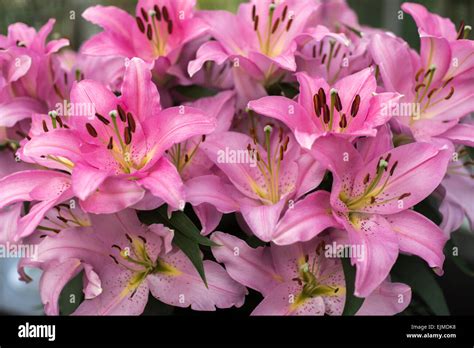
(350, 108)
(113, 149)
(27, 78)
(258, 40)
(300, 279)
(437, 84)
(372, 192)
(156, 34)
(124, 261)
(260, 182)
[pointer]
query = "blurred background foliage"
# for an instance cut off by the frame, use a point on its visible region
(457, 284)
(376, 13)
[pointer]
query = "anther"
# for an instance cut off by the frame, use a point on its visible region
(417, 76)
(170, 27)
(110, 145)
(451, 92)
(317, 105)
(366, 179)
(322, 96)
(275, 25)
(404, 195)
(116, 247)
(157, 12)
(102, 119)
(91, 130)
(326, 114)
(45, 127)
(283, 14)
(144, 14)
(343, 121)
(355, 106)
(166, 15)
(254, 11)
(131, 122)
(113, 258)
(142, 238)
(149, 33)
(127, 135)
(337, 104)
(140, 24)
(392, 170)
(288, 26)
(128, 237)
(123, 116)
(255, 24)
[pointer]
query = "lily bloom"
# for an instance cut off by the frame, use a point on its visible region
(350, 108)
(27, 65)
(300, 279)
(260, 181)
(124, 261)
(456, 192)
(259, 40)
(437, 84)
(372, 191)
(157, 33)
(113, 150)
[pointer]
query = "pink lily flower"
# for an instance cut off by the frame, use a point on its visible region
(124, 261)
(113, 152)
(300, 279)
(260, 182)
(456, 192)
(259, 41)
(372, 192)
(351, 108)
(157, 34)
(27, 80)
(437, 84)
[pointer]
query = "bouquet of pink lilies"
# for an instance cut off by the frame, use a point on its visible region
(189, 156)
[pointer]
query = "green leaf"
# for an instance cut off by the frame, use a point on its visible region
(187, 236)
(458, 249)
(180, 222)
(194, 92)
(71, 295)
(353, 303)
(192, 251)
(420, 277)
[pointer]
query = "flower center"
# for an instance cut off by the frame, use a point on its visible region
(181, 154)
(269, 165)
(333, 119)
(272, 37)
(373, 188)
(157, 26)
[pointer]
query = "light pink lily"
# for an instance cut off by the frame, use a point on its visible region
(372, 192)
(437, 84)
(124, 261)
(456, 191)
(259, 41)
(27, 79)
(350, 108)
(113, 150)
(157, 33)
(260, 182)
(300, 279)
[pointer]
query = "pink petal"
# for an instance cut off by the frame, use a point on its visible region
(213, 190)
(53, 280)
(119, 296)
(117, 25)
(209, 51)
(373, 235)
(309, 217)
(388, 299)
(185, 288)
(92, 283)
(17, 187)
(263, 219)
(86, 179)
(250, 267)
(164, 182)
(461, 134)
(283, 301)
(209, 217)
(114, 195)
(18, 109)
(417, 235)
(9, 217)
(139, 93)
(290, 113)
(174, 125)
